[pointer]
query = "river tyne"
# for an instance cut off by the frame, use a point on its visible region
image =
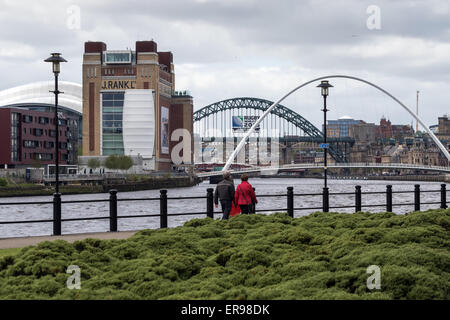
(263, 186)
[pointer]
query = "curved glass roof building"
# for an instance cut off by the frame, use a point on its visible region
(27, 123)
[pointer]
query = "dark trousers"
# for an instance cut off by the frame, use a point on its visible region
(226, 208)
(245, 208)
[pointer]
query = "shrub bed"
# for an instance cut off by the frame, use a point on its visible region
(320, 256)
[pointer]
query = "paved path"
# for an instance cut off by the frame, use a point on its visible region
(7, 243)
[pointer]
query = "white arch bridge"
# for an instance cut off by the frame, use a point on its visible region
(274, 170)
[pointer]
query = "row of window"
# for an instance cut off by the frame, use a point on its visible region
(43, 132)
(45, 120)
(39, 144)
(44, 156)
(125, 71)
(113, 116)
(113, 96)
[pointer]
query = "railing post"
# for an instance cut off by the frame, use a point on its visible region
(210, 203)
(253, 208)
(325, 200)
(389, 198)
(443, 196)
(417, 197)
(290, 201)
(113, 210)
(57, 214)
(358, 204)
(163, 208)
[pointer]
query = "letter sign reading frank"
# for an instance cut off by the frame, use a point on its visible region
(118, 84)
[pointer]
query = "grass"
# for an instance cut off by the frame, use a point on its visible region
(9, 252)
(320, 256)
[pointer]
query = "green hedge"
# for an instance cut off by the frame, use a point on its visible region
(320, 256)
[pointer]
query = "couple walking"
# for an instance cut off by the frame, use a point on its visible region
(244, 196)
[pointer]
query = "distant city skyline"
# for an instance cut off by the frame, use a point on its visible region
(227, 49)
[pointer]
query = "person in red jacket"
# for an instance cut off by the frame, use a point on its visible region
(245, 196)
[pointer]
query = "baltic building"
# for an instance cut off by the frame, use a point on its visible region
(130, 105)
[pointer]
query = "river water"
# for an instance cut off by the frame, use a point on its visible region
(263, 186)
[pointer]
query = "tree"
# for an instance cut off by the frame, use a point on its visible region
(94, 163)
(122, 162)
(125, 162)
(112, 162)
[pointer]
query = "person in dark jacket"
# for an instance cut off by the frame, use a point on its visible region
(225, 192)
(245, 196)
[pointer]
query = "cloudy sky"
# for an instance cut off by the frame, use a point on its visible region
(233, 48)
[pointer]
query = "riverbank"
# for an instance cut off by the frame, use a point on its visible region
(119, 184)
(424, 178)
(320, 256)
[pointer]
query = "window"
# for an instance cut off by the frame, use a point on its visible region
(15, 136)
(38, 132)
(49, 144)
(43, 120)
(112, 110)
(43, 156)
(27, 119)
(117, 57)
(30, 144)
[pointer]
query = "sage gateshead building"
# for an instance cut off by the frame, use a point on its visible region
(27, 127)
(130, 106)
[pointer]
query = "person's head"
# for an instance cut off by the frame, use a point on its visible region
(244, 177)
(226, 174)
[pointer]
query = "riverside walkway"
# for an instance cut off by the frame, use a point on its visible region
(10, 243)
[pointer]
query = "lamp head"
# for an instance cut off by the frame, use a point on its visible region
(324, 85)
(55, 59)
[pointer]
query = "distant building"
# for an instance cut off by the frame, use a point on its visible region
(341, 128)
(363, 133)
(444, 125)
(386, 130)
(443, 133)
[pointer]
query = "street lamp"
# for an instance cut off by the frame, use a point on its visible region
(324, 85)
(55, 59)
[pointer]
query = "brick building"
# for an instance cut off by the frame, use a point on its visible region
(386, 130)
(28, 137)
(130, 105)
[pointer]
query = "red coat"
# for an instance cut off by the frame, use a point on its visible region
(244, 194)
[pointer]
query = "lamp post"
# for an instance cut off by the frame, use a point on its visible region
(324, 85)
(55, 59)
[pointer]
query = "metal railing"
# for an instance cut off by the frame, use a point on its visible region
(164, 215)
(336, 165)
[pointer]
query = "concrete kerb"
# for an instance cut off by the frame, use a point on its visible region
(9, 243)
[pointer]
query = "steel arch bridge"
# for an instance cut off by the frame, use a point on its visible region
(262, 105)
(259, 104)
